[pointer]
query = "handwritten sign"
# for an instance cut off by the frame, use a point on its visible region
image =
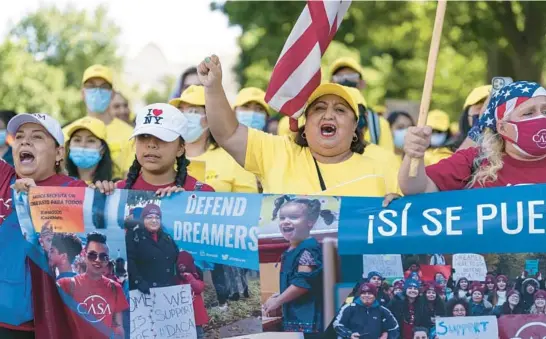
(167, 312)
(469, 266)
(467, 327)
(389, 265)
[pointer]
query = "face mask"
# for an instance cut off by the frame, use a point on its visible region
(438, 139)
(398, 137)
(250, 119)
(530, 136)
(97, 99)
(84, 157)
(195, 130)
(3, 136)
(348, 83)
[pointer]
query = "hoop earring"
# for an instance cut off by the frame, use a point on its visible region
(57, 163)
(355, 138)
(303, 135)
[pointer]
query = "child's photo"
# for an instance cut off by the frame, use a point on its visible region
(292, 229)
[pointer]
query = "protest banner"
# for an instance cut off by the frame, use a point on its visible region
(167, 312)
(429, 272)
(522, 326)
(467, 327)
(389, 265)
(531, 266)
(470, 266)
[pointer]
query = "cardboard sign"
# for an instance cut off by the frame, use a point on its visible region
(167, 312)
(522, 326)
(531, 266)
(467, 327)
(389, 265)
(469, 266)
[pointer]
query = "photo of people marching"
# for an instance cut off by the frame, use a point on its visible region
(266, 169)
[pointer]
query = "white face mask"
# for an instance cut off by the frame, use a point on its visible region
(195, 130)
(438, 139)
(399, 136)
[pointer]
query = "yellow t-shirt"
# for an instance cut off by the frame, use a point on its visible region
(121, 148)
(385, 135)
(286, 168)
(391, 163)
(224, 174)
(434, 155)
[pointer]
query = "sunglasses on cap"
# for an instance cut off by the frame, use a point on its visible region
(93, 256)
(348, 76)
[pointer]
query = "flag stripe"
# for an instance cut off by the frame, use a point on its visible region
(298, 102)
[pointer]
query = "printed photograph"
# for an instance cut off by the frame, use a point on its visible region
(424, 295)
(292, 264)
(225, 298)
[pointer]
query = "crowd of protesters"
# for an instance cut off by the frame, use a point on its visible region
(246, 148)
(411, 305)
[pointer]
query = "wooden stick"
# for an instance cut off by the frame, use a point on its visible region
(330, 269)
(431, 70)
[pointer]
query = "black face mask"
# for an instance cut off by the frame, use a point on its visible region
(348, 83)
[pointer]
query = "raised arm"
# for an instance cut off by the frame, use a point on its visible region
(416, 143)
(222, 121)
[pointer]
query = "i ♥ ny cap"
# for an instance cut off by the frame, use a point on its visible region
(163, 121)
(51, 125)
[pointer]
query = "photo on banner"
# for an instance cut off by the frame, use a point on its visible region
(77, 238)
(217, 236)
(293, 232)
(465, 259)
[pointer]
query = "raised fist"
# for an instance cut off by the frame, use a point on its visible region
(210, 72)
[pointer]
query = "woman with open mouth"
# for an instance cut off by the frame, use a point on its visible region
(37, 152)
(326, 157)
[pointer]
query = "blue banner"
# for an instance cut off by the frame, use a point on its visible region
(500, 220)
(214, 227)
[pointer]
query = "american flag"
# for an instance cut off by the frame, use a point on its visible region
(297, 71)
(506, 100)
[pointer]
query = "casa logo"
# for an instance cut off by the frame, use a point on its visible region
(532, 330)
(540, 138)
(94, 308)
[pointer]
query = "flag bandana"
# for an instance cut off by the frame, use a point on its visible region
(505, 102)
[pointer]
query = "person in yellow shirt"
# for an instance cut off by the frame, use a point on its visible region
(326, 157)
(87, 153)
(97, 92)
(221, 171)
(399, 121)
(439, 121)
(347, 72)
(251, 108)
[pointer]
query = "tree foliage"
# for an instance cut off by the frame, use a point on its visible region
(161, 94)
(65, 43)
(391, 38)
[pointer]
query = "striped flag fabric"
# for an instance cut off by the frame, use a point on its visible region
(297, 71)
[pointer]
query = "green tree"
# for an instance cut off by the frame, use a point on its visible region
(29, 85)
(69, 40)
(392, 39)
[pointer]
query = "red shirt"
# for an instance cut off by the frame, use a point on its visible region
(98, 300)
(189, 185)
(455, 172)
(7, 172)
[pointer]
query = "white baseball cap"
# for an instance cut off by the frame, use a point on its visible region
(49, 123)
(163, 121)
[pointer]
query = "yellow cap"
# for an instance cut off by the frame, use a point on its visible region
(454, 127)
(335, 89)
(93, 125)
(346, 62)
(98, 71)
(193, 95)
(250, 94)
(476, 95)
(357, 95)
(438, 120)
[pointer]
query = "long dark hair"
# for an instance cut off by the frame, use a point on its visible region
(181, 170)
(104, 167)
(454, 302)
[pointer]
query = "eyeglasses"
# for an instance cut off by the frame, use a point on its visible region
(93, 256)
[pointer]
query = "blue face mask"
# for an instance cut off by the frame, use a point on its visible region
(3, 136)
(97, 99)
(195, 130)
(252, 119)
(84, 157)
(398, 137)
(438, 139)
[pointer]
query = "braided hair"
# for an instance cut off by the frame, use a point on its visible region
(314, 210)
(182, 164)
